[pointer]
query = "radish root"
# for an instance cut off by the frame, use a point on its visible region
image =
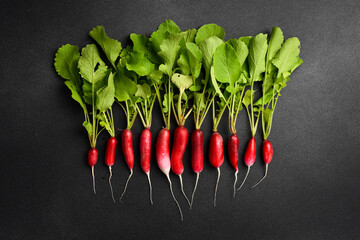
(172, 193)
(111, 189)
(236, 177)
(182, 190)
(247, 173)
(93, 178)
(126, 184)
(150, 187)
(216, 187)
(196, 183)
(266, 170)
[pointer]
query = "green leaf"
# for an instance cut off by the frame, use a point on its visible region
(111, 47)
(209, 30)
(267, 97)
(247, 98)
(169, 52)
(190, 35)
(288, 56)
(246, 40)
(257, 54)
(226, 64)
(165, 107)
(92, 68)
(66, 64)
(215, 85)
(240, 48)
(208, 48)
(156, 76)
(276, 40)
(195, 58)
(182, 81)
(103, 121)
(125, 88)
(105, 95)
(138, 62)
(88, 127)
(143, 91)
(75, 94)
(268, 116)
(199, 101)
(140, 43)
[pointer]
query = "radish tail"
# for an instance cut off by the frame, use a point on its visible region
(111, 189)
(266, 170)
(150, 187)
(172, 193)
(196, 183)
(217, 184)
(236, 173)
(127, 181)
(182, 190)
(247, 173)
(93, 178)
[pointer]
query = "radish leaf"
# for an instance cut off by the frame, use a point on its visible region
(209, 30)
(105, 95)
(257, 53)
(208, 48)
(137, 62)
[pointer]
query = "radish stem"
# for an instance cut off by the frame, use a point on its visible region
(127, 181)
(182, 190)
(266, 170)
(150, 187)
(196, 183)
(172, 193)
(217, 184)
(247, 173)
(111, 189)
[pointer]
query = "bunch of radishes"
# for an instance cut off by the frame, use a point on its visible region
(186, 72)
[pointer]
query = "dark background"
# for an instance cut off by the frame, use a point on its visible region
(312, 190)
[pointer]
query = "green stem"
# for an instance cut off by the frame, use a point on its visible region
(204, 113)
(127, 115)
(160, 102)
(141, 116)
(180, 120)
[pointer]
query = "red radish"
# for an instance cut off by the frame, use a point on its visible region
(145, 155)
(216, 156)
(181, 136)
(127, 148)
(233, 150)
(92, 159)
(163, 158)
(197, 157)
(250, 156)
(267, 151)
(110, 159)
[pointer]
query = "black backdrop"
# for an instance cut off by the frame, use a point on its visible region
(312, 189)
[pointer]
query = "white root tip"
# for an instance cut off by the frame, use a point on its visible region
(216, 187)
(196, 183)
(247, 173)
(111, 189)
(182, 190)
(93, 179)
(126, 184)
(266, 170)
(172, 193)
(150, 187)
(236, 177)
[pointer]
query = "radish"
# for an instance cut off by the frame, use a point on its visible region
(145, 155)
(91, 84)
(249, 157)
(127, 148)
(110, 159)
(233, 150)
(92, 159)
(267, 151)
(163, 159)
(197, 157)
(216, 156)
(181, 136)
(282, 59)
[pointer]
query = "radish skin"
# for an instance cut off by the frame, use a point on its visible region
(92, 160)
(249, 157)
(216, 156)
(233, 151)
(127, 148)
(267, 151)
(110, 159)
(145, 156)
(181, 136)
(163, 159)
(197, 157)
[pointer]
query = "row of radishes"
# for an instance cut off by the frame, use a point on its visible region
(177, 68)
